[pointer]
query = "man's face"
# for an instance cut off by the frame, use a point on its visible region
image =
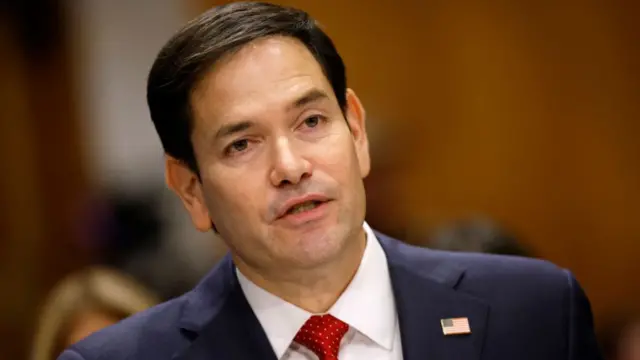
(281, 169)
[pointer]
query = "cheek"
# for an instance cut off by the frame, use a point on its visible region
(234, 196)
(337, 155)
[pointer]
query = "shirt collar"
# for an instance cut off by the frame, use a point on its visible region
(280, 320)
(367, 303)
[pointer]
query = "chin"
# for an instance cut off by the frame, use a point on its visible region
(319, 247)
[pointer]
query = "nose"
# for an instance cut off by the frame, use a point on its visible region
(289, 167)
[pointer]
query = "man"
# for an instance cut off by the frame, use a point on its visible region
(267, 146)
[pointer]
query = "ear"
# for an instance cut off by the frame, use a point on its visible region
(356, 120)
(186, 184)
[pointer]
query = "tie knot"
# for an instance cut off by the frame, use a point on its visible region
(322, 335)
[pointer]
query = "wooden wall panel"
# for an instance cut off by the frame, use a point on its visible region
(19, 203)
(42, 180)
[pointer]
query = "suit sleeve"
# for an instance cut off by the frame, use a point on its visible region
(70, 355)
(582, 340)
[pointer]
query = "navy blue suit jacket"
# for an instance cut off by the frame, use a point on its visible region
(517, 308)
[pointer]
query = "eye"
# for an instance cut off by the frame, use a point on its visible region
(238, 146)
(313, 121)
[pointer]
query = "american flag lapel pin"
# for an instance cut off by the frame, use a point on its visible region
(455, 326)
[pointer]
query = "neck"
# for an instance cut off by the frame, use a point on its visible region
(314, 290)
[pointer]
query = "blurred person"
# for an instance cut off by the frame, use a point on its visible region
(267, 146)
(83, 303)
(179, 255)
(143, 234)
(476, 235)
(620, 337)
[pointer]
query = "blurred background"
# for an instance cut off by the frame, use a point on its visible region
(500, 126)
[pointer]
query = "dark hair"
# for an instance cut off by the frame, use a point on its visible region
(220, 31)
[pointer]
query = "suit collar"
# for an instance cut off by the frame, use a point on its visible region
(424, 284)
(218, 321)
(205, 301)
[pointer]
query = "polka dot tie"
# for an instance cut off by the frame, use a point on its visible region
(322, 335)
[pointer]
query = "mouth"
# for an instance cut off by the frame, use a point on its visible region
(302, 207)
(301, 211)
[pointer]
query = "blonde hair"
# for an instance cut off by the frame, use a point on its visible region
(96, 288)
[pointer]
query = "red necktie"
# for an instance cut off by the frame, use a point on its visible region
(322, 335)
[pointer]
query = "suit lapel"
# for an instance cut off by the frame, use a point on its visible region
(219, 322)
(424, 288)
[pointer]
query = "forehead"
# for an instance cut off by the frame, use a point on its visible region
(263, 76)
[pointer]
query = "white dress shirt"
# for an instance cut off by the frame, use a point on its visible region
(367, 305)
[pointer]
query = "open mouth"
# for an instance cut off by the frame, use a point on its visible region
(302, 207)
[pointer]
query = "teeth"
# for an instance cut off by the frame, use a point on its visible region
(303, 207)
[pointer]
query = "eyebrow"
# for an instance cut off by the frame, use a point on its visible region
(230, 129)
(309, 97)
